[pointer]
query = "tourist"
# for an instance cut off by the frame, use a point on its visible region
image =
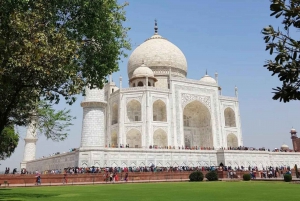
(111, 177)
(65, 180)
(38, 179)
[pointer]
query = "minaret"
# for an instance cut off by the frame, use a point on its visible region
(216, 77)
(30, 143)
(93, 123)
(236, 91)
(295, 139)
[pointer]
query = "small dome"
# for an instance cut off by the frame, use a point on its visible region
(284, 147)
(293, 130)
(142, 71)
(208, 79)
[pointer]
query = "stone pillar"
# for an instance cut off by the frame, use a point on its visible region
(93, 123)
(30, 144)
(122, 137)
(216, 77)
(148, 140)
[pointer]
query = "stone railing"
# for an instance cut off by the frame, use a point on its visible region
(193, 81)
(144, 88)
(228, 98)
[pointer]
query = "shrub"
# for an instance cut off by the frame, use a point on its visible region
(196, 176)
(246, 177)
(287, 177)
(212, 176)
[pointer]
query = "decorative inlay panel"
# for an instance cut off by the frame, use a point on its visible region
(187, 98)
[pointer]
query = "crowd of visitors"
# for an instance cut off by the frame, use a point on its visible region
(266, 172)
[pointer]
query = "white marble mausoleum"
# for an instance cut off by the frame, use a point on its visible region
(162, 118)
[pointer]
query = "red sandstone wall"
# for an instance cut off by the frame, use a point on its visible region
(58, 178)
(296, 144)
(99, 177)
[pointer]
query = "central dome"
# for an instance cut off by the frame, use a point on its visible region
(159, 55)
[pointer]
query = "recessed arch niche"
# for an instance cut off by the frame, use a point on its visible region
(197, 125)
(134, 111)
(160, 138)
(134, 138)
(159, 111)
(229, 116)
(232, 140)
(115, 116)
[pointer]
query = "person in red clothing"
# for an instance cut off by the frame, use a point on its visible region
(116, 177)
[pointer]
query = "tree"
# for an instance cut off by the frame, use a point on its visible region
(8, 142)
(53, 49)
(51, 123)
(287, 60)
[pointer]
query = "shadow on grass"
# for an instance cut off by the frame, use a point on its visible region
(8, 195)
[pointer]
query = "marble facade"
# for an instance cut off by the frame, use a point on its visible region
(163, 118)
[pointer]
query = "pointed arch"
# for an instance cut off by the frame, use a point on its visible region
(134, 111)
(140, 84)
(197, 125)
(229, 116)
(232, 140)
(160, 138)
(115, 114)
(114, 139)
(134, 138)
(159, 111)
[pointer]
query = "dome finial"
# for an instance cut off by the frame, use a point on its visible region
(206, 72)
(155, 27)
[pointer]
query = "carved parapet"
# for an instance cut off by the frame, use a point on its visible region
(93, 104)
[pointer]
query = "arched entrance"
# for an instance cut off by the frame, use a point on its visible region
(134, 111)
(197, 125)
(115, 116)
(134, 139)
(159, 111)
(232, 140)
(229, 117)
(114, 139)
(160, 138)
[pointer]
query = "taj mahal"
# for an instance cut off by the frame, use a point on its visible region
(162, 119)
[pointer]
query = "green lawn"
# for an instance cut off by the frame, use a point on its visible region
(205, 191)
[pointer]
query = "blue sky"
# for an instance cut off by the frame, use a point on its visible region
(216, 35)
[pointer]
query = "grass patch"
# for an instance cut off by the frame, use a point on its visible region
(208, 191)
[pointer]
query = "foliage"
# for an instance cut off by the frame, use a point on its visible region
(246, 177)
(286, 49)
(212, 176)
(53, 49)
(287, 177)
(8, 142)
(53, 124)
(196, 176)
